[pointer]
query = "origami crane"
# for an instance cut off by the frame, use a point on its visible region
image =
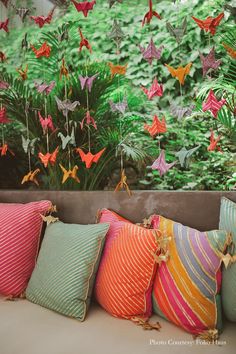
(43, 51)
(117, 69)
(184, 156)
(4, 85)
(151, 52)
(2, 57)
(116, 33)
(123, 184)
(149, 15)
(230, 50)
(177, 32)
(4, 149)
(112, 2)
(22, 12)
(5, 2)
(68, 139)
(31, 177)
(84, 7)
(66, 106)
(84, 42)
(89, 120)
(210, 24)
(63, 70)
(87, 82)
(46, 123)
(3, 116)
(28, 145)
(214, 142)
(181, 112)
(232, 10)
(69, 174)
(119, 107)
(49, 219)
(161, 165)
(89, 158)
(154, 90)
(49, 158)
(4, 25)
(42, 20)
(43, 87)
(212, 104)
(158, 126)
(209, 62)
(23, 72)
(180, 73)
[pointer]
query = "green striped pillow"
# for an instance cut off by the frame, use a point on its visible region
(228, 222)
(64, 276)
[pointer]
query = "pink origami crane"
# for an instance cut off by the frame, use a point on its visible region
(89, 120)
(43, 87)
(212, 104)
(149, 15)
(4, 25)
(4, 85)
(86, 81)
(84, 7)
(151, 52)
(155, 90)
(214, 142)
(4, 149)
(209, 62)
(46, 123)
(3, 116)
(161, 165)
(42, 20)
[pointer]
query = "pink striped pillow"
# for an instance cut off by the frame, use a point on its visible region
(20, 230)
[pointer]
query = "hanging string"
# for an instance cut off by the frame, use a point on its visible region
(87, 103)
(27, 132)
(67, 124)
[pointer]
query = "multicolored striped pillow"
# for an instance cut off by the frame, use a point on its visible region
(64, 276)
(20, 230)
(186, 287)
(228, 222)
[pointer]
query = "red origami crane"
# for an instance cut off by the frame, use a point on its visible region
(89, 158)
(89, 120)
(214, 142)
(212, 104)
(149, 15)
(84, 42)
(155, 90)
(42, 20)
(4, 148)
(84, 7)
(3, 116)
(46, 123)
(49, 158)
(4, 25)
(43, 51)
(210, 24)
(157, 126)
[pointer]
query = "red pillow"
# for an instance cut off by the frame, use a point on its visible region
(20, 230)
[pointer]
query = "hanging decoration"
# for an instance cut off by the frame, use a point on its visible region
(158, 126)
(67, 140)
(42, 20)
(31, 177)
(161, 165)
(230, 50)
(117, 69)
(66, 106)
(49, 158)
(29, 145)
(2, 57)
(87, 82)
(89, 158)
(122, 184)
(5, 2)
(212, 104)
(210, 24)
(180, 73)
(84, 42)
(116, 34)
(23, 72)
(3, 116)
(43, 51)
(177, 32)
(4, 85)
(209, 62)
(4, 25)
(22, 12)
(151, 52)
(71, 173)
(184, 156)
(150, 14)
(214, 142)
(112, 2)
(46, 123)
(64, 70)
(89, 120)
(181, 112)
(84, 7)
(43, 87)
(155, 90)
(4, 149)
(120, 106)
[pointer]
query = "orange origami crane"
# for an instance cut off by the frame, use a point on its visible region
(31, 177)
(63, 70)
(230, 50)
(69, 174)
(180, 73)
(43, 51)
(117, 69)
(214, 142)
(157, 126)
(149, 15)
(89, 158)
(210, 24)
(123, 184)
(4, 148)
(84, 42)
(23, 72)
(49, 158)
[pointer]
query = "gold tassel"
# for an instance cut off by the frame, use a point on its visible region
(49, 219)
(15, 298)
(146, 324)
(98, 216)
(209, 336)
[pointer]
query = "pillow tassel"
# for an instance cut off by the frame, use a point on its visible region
(146, 324)
(209, 336)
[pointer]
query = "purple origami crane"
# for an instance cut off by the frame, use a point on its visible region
(119, 107)
(212, 104)
(43, 87)
(209, 62)
(66, 106)
(161, 165)
(87, 82)
(151, 52)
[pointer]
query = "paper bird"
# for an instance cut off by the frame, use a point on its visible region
(49, 219)
(177, 32)
(158, 126)
(232, 10)
(28, 145)
(42, 20)
(43, 51)
(151, 52)
(43, 87)
(3, 116)
(89, 120)
(116, 33)
(117, 69)
(31, 177)
(4, 25)
(5, 2)
(69, 174)
(23, 72)
(161, 165)
(69, 139)
(87, 82)
(180, 73)
(4, 85)
(84, 7)
(22, 12)
(214, 142)
(184, 156)
(46, 123)
(123, 184)
(212, 104)
(149, 15)
(63, 70)
(66, 106)
(154, 90)
(230, 50)
(4, 149)
(84, 42)
(24, 43)
(89, 158)
(209, 62)
(119, 107)
(49, 158)
(181, 112)
(210, 24)
(2, 57)
(112, 2)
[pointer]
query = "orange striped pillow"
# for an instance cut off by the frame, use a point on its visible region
(127, 269)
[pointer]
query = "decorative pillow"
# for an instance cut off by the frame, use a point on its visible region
(228, 222)
(127, 268)
(64, 276)
(20, 230)
(186, 287)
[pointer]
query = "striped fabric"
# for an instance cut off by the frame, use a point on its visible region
(66, 268)
(186, 286)
(228, 222)
(158, 126)
(125, 276)
(20, 230)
